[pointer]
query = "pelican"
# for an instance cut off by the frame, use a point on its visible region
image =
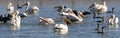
(46, 21)
(61, 28)
(10, 8)
(98, 8)
(33, 10)
(71, 17)
(16, 19)
(113, 19)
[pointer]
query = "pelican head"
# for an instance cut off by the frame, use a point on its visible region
(35, 9)
(10, 7)
(60, 8)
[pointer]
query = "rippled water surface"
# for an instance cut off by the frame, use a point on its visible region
(30, 27)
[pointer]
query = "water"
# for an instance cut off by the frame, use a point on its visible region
(30, 28)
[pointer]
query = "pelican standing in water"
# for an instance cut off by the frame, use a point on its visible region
(33, 10)
(98, 8)
(16, 20)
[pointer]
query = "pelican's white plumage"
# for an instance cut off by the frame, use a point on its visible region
(98, 8)
(46, 21)
(61, 28)
(16, 19)
(72, 17)
(10, 8)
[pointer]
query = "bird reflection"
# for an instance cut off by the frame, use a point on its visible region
(113, 27)
(13, 28)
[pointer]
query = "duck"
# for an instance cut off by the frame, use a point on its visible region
(98, 8)
(15, 20)
(113, 19)
(46, 21)
(33, 10)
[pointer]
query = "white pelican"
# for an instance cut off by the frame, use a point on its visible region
(16, 20)
(61, 28)
(10, 8)
(113, 19)
(46, 21)
(98, 8)
(71, 17)
(33, 10)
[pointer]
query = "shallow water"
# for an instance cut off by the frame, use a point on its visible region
(30, 28)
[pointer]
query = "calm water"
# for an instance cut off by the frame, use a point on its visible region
(30, 28)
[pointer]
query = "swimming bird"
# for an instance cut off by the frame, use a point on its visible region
(71, 17)
(46, 21)
(10, 9)
(113, 19)
(62, 27)
(33, 10)
(16, 19)
(98, 8)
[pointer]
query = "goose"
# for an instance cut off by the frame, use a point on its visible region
(33, 10)
(113, 19)
(16, 19)
(98, 8)
(46, 21)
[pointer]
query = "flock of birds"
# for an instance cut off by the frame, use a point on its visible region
(67, 16)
